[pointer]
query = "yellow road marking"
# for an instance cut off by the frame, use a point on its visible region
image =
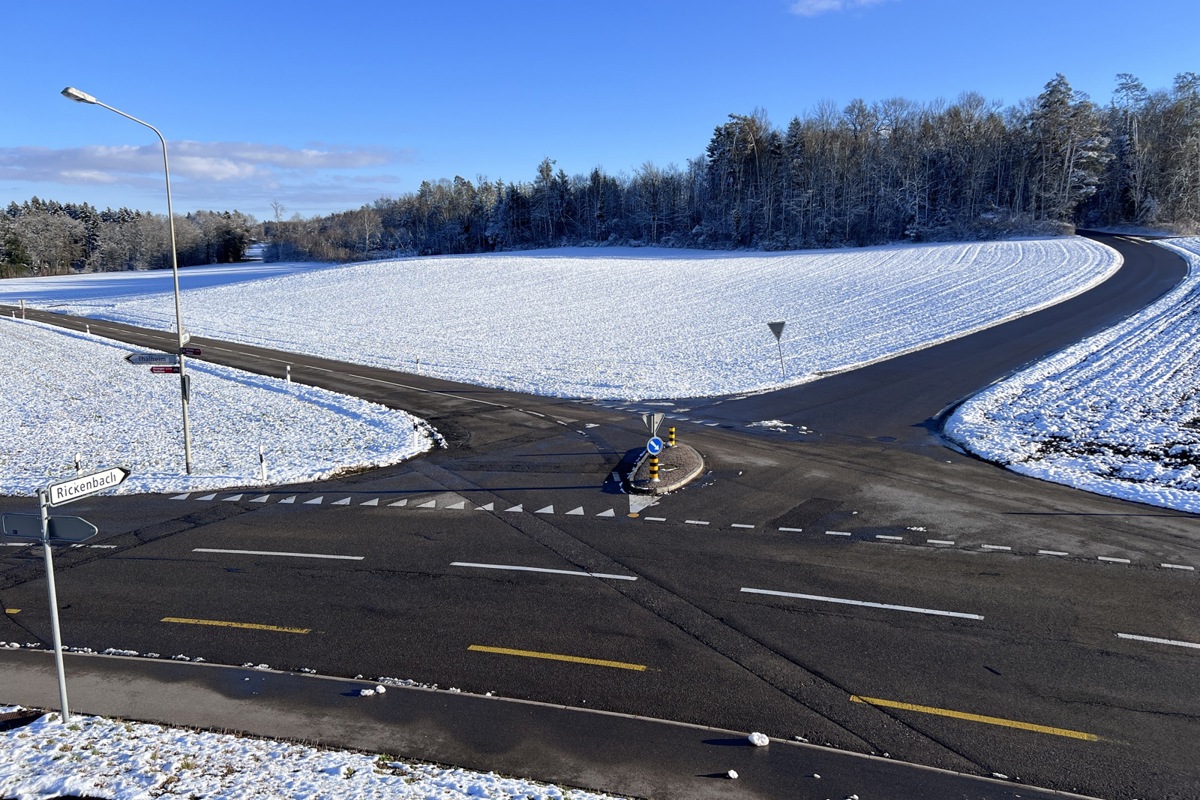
(1008, 723)
(12, 611)
(598, 662)
(248, 625)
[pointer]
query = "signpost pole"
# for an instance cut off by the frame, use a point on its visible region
(44, 504)
(777, 329)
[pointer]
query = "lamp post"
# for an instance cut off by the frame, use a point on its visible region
(72, 93)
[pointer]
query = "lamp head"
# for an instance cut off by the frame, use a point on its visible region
(72, 93)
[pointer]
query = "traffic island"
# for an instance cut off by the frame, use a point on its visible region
(677, 467)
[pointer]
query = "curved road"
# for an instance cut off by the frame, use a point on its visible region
(903, 398)
(862, 586)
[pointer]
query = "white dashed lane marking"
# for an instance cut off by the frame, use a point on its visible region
(610, 513)
(1155, 640)
(575, 572)
(843, 601)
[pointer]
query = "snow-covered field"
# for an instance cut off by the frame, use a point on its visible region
(619, 323)
(103, 758)
(1117, 414)
(67, 394)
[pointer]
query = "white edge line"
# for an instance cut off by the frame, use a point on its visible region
(1154, 640)
(838, 533)
(740, 525)
(272, 553)
(912, 609)
(793, 530)
(579, 573)
(889, 538)
(1178, 566)
(938, 541)
(655, 519)
(1114, 560)
(1053, 553)
(696, 522)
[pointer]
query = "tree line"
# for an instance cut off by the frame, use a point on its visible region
(41, 237)
(864, 174)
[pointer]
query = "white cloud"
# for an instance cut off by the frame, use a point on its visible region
(812, 8)
(201, 161)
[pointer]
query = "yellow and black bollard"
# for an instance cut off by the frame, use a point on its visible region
(671, 436)
(654, 469)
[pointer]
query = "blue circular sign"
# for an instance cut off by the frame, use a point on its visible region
(654, 446)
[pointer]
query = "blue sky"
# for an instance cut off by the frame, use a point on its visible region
(328, 106)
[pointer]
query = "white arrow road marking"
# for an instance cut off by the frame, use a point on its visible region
(291, 499)
(398, 503)
(373, 502)
(183, 496)
(578, 512)
(546, 510)
(232, 498)
(427, 504)
(518, 507)
(613, 513)
(206, 497)
(488, 507)
(260, 499)
(343, 502)
(459, 506)
(864, 603)
(579, 573)
(316, 501)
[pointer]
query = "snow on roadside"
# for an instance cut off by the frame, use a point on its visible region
(68, 393)
(104, 758)
(1118, 414)
(624, 323)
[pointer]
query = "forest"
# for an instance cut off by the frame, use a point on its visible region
(889, 171)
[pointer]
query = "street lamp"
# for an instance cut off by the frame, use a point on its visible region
(72, 93)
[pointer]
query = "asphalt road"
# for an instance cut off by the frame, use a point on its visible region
(904, 598)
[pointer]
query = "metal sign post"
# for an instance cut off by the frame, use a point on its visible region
(44, 506)
(777, 329)
(60, 529)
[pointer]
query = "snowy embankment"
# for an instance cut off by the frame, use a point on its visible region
(68, 394)
(97, 757)
(625, 323)
(1117, 414)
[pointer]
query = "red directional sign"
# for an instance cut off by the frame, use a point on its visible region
(190, 351)
(164, 370)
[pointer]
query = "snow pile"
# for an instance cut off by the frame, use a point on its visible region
(68, 394)
(1117, 414)
(621, 323)
(102, 758)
